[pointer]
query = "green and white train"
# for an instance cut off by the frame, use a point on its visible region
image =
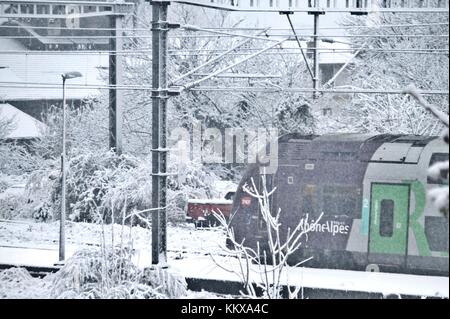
(371, 193)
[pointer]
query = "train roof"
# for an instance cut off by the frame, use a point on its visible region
(416, 140)
(348, 137)
(350, 147)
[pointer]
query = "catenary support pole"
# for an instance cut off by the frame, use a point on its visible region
(116, 79)
(160, 29)
(62, 234)
(316, 79)
(163, 136)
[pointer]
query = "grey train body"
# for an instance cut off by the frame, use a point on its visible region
(371, 193)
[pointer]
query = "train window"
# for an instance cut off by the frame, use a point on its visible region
(340, 200)
(387, 218)
(436, 231)
(435, 158)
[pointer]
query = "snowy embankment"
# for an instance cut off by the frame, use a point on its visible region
(183, 239)
(36, 244)
(202, 267)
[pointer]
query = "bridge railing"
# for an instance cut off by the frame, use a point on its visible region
(324, 5)
(54, 9)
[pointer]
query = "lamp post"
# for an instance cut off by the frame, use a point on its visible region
(62, 236)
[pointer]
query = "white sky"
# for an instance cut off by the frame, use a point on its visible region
(300, 20)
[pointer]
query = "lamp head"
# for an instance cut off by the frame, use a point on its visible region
(71, 75)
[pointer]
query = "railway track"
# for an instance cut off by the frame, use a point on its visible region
(35, 271)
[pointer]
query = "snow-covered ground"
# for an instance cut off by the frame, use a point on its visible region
(36, 244)
(203, 267)
(183, 239)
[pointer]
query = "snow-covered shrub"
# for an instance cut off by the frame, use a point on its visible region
(14, 202)
(167, 283)
(15, 159)
(110, 274)
(101, 186)
(11, 206)
(192, 181)
(99, 183)
(42, 212)
(17, 283)
(4, 183)
(40, 195)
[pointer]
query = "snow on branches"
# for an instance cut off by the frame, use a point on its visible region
(439, 196)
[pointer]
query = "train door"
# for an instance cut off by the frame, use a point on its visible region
(389, 223)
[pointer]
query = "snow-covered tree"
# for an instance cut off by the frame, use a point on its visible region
(439, 196)
(392, 59)
(6, 125)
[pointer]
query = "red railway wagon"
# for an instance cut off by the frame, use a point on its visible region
(201, 211)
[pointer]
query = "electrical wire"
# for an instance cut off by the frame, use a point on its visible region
(103, 37)
(25, 85)
(208, 52)
(229, 28)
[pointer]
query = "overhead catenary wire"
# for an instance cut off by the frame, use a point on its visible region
(25, 85)
(311, 90)
(194, 52)
(375, 26)
(266, 38)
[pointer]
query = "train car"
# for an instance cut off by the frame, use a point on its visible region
(201, 211)
(371, 192)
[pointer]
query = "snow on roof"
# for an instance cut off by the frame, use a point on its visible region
(24, 126)
(214, 201)
(46, 68)
(345, 137)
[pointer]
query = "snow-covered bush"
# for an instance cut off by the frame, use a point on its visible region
(16, 160)
(101, 185)
(110, 274)
(17, 283)
(39, 192)
(10, 206)
(4, 183)
(192, 181)
(94, 274)
(13, 200)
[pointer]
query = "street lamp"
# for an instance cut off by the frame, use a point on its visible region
(62, 237)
